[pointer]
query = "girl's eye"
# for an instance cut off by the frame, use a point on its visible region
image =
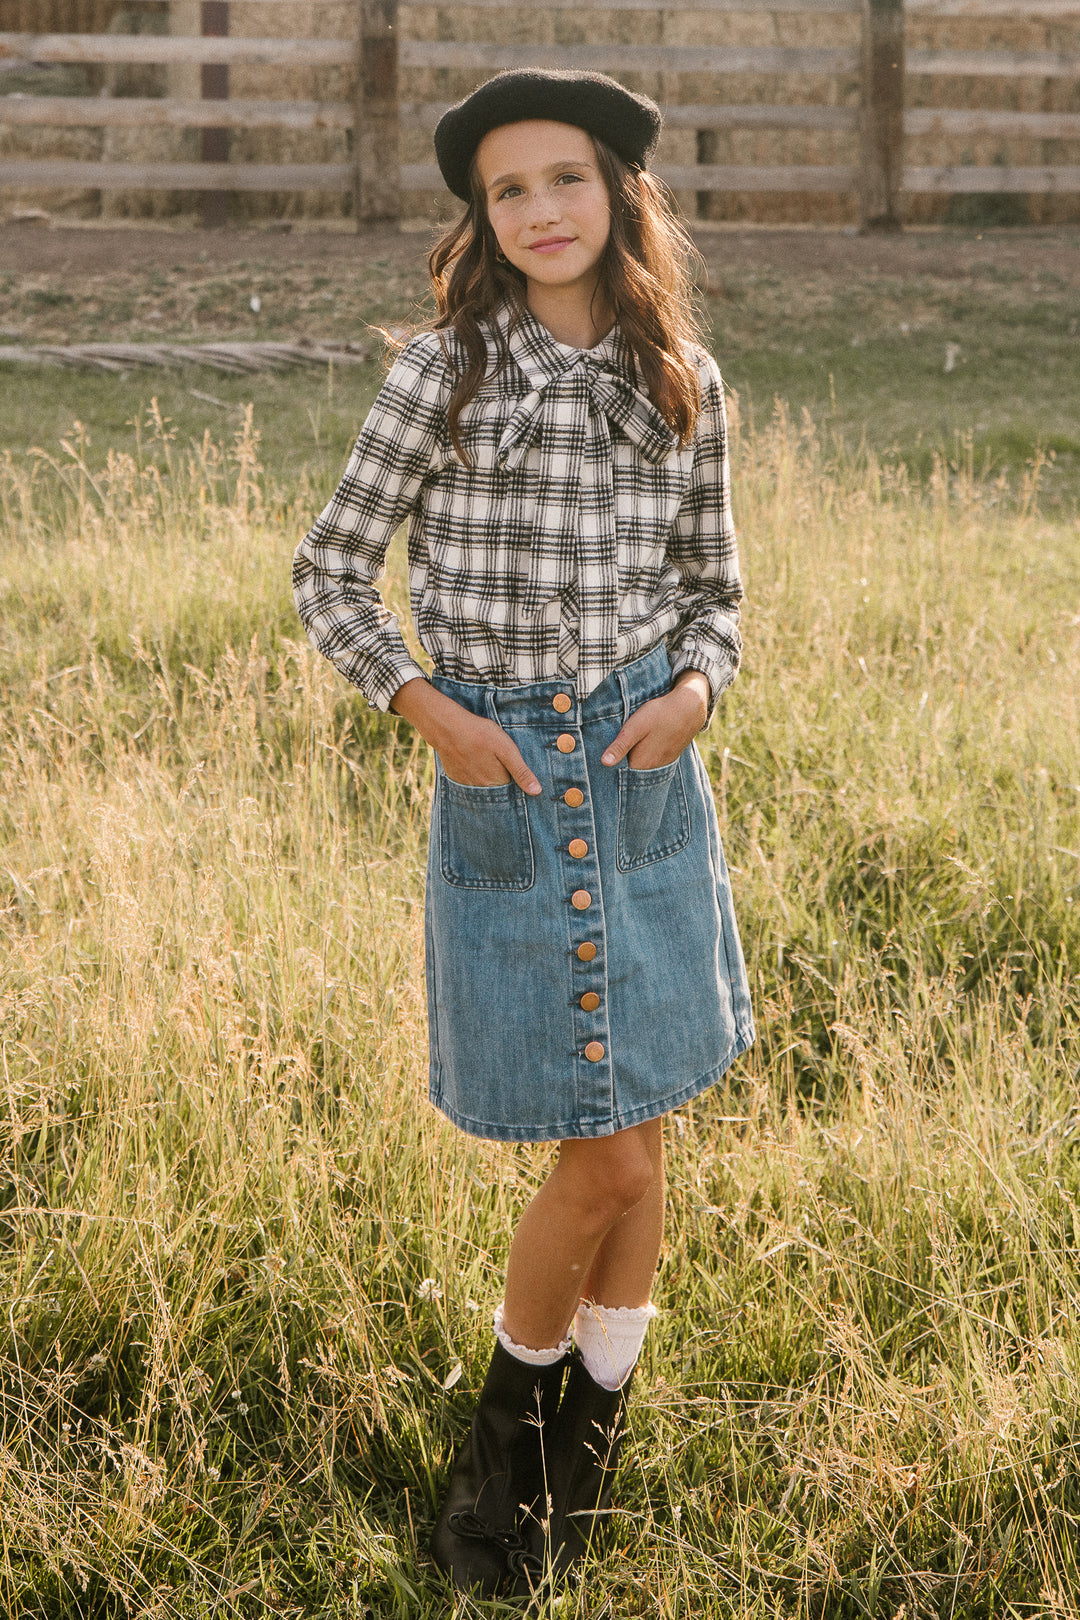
(508, 191)
(567, 176)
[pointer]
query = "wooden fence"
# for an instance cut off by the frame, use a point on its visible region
(875, 64)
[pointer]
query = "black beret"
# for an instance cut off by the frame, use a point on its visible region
(628, 123)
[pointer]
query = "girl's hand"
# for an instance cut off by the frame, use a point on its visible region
(657, 733)
(474, 750)
(479, 753)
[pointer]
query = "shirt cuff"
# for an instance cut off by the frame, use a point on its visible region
(718, 670)
(379, 677)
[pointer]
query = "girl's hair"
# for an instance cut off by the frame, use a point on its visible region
(645, 280)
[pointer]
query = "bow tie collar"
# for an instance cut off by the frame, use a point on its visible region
(560, 435)
(567, 382)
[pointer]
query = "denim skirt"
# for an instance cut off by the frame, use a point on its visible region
(584, 971)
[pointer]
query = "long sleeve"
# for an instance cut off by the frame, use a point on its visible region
(339, 560)
(703, 549)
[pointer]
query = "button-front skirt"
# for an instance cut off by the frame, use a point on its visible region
(584, 971)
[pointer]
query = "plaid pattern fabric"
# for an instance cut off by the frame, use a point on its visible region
(579, 538)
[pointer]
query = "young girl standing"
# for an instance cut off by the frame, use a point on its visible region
(557, 445)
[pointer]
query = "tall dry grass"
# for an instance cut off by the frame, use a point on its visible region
(247, 1272)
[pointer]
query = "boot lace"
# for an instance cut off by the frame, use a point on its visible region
(471, 1527)
(525, 1563)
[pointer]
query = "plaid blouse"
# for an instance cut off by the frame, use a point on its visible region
(580, 536)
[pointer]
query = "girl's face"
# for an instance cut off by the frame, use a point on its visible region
(547, 203)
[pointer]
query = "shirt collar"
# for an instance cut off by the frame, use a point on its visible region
(541, 358)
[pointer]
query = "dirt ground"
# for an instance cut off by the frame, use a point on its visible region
(950, 254)
(902, 340)
(69, 284)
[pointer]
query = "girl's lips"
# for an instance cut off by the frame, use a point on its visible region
(551, 244)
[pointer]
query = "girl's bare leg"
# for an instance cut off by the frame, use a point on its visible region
(593, 1230)
(624, 1265)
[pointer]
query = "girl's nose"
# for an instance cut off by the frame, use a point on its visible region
(543, 206)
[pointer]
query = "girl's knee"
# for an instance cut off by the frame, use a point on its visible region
(608, 1176)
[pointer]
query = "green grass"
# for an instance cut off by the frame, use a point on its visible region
(867, 360)
(865, 356)
(242, 1260)
(306, 421)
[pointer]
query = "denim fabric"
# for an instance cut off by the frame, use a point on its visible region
(508, 1034)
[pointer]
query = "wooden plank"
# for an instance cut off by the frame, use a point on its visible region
(1015, 10)
(996, 64)
(140, 112)
(345, 6)
(214, 138)
(230, 358)
(144, 112)
(963, 177)
(376, 155)
(975, 121)
(657, 5)
(759, 177)
(607, 5)
(882, 121)
(711, 116)
(483, 57)
(40, 173)
(1018, 10)
(699, 177)
(174, 48)
(478, 55)
(689, 115)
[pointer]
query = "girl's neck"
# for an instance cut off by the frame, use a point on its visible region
(572, 316)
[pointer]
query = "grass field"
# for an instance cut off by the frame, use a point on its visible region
(864, 352)
(247, 1272)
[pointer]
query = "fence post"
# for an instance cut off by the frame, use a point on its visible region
(214, 143)
(882, 115)
(376, 155)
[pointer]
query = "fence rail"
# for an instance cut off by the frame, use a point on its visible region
(964, 177)
(872, 75)
(40, 173)
(166, 49)
(1021, 9)
(152, 112)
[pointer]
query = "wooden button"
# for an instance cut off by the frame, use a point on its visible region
(590, 1001)
(561, 702)
(565, 743)
(594, 1051)
(586, 950)
(581, 899)
(578, 847)
(574, 797)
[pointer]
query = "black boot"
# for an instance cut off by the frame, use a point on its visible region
(498, 1478)
(583, 1454)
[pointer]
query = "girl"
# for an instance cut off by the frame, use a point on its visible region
(557, 445)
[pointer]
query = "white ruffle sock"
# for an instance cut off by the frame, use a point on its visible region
(609, 1339)
(520, 1352)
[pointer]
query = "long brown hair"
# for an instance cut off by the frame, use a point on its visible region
(645, 280)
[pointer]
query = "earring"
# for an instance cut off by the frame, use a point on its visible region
(501, 256)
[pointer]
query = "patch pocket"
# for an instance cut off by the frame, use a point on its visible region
(484, 836)
(653, 819)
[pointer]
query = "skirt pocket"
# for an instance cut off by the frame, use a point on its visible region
(653, 818)
(484, 840)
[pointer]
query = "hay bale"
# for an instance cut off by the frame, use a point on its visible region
(1019, 93)
(543, 26)
(29, 142)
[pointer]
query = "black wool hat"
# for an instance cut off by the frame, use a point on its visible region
(628, 123)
